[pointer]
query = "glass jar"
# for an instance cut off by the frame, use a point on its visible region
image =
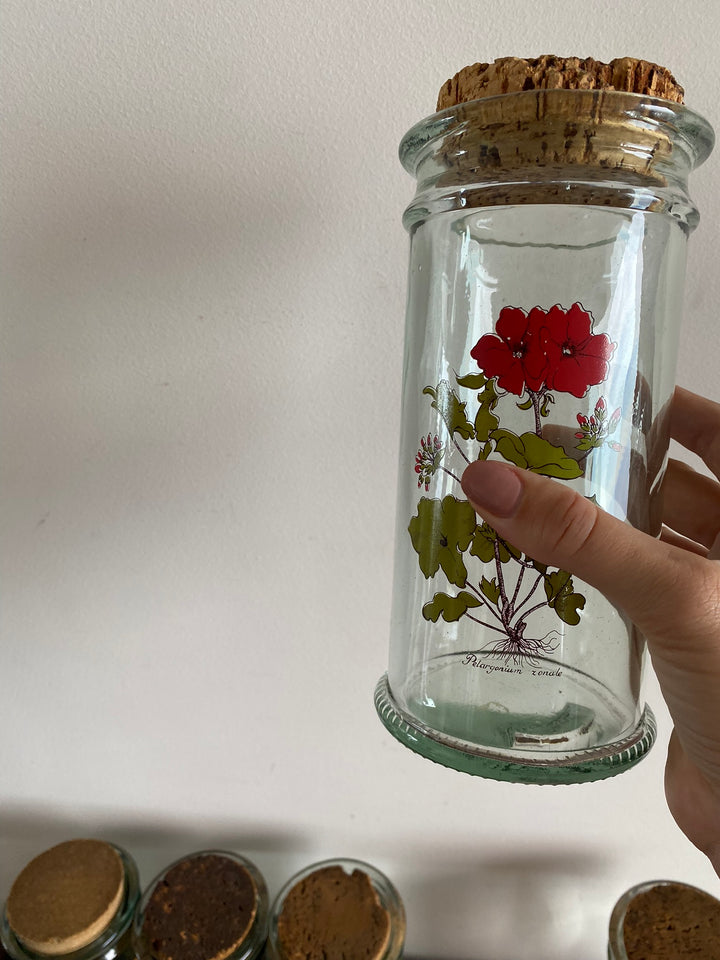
(112, 943)
(335, 908)
(210, 904)
(548, 237)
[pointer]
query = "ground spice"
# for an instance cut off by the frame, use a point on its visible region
(201, 909)
(333, 915)
(672, 921)
(66, 897)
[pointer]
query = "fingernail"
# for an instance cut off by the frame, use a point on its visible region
(493, 487)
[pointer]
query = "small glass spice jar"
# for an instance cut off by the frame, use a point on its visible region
(337, 908)
(209, 905)
(664, 919)
(548, 237)
(75, 901)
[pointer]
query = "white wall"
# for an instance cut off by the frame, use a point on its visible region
(203, 295)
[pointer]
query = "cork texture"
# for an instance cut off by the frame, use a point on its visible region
(66, 897)
(514, 74)
(333, 914)
(202, 909)
(566, 133)
(670, 922)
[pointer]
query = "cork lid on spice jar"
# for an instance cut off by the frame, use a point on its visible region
(77, 895)
(520, 130)
(665, 920)
(515, 75)
(337, 908)
(209, 905)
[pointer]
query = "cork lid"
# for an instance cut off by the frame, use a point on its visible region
(64, 898)
(515, 74)
(202, 908)
(333, 913)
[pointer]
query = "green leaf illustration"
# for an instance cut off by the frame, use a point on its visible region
(449, 608)
(440, 532)
(490, 589)
(483, 545)
(545, 408)
(507, 550)
(588, 444)
(555, 582)
(485, 419)
(566, 606)
(473, 381)
(451, 409)
(510, 446)
(535, 453)
(559, 589)
(525, 406)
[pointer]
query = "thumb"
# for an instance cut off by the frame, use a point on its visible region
(555, 525)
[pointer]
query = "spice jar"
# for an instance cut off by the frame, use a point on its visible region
(209, 905)
(664, 920)
(75, 900)
(548, 236)
(337, 908)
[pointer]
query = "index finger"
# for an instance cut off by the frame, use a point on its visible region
(695, 424)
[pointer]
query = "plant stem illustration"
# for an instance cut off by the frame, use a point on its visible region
(533, 356)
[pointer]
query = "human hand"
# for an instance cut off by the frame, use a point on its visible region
(670, 588)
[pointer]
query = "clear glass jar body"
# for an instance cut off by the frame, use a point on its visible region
(114, 943)
(542, 326)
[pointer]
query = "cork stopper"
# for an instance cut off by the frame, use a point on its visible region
(66, 897)
(203, 908)
(331, 913)
(670, 921)
(556, 130)
(514, 74)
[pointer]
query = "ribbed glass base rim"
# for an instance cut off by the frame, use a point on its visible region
(584, 766)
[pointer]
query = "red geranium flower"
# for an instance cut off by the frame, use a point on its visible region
(514, 355)
(577, 358)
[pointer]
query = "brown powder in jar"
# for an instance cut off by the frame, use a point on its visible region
(331, 914)
(202, 909)
(670, 922)
(66, 897)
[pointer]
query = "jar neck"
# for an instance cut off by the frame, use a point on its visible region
(587, 147)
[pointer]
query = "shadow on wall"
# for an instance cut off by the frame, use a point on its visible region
(503, 906)
(514, 906)
(27, 831)
(148, 299)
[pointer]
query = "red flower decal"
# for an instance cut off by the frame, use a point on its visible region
(514, 354)
(576, 357)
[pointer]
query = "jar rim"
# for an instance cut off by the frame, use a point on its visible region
(678, 121)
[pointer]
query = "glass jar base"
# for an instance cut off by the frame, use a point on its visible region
(517, 765)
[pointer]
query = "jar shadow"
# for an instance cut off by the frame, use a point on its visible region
(535, 905)
(154, 842)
